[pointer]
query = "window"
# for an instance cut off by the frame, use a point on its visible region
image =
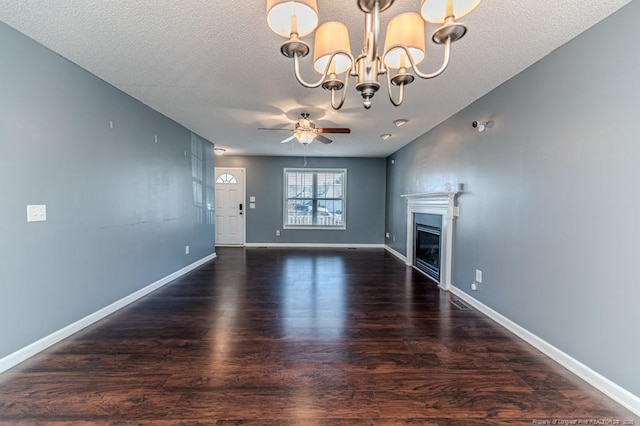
(202, 170)
(226, 178)
(315, 198)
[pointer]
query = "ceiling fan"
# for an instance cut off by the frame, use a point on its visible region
(305, 131)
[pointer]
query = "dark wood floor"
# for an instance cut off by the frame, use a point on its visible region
(297, 337)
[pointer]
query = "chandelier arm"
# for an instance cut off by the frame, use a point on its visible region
(445, 62)
(401, 92)
(416, 71)
(344, 93)
(296, 69)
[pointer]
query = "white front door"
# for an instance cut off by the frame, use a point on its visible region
(230, 206)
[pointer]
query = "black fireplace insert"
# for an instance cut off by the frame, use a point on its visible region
(427, 249)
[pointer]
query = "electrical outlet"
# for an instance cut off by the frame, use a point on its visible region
(387, 235)
(36, 213)
(277, 232)
(478, 275)
(394, 238)
(474, 286)
(186, 249)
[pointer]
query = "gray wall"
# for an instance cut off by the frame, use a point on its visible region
(561, 159)
(365, 199)
(120, 207)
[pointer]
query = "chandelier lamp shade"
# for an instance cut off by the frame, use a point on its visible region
(404, 45)
(287, 17)
(332, 37)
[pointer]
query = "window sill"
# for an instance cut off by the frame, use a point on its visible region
(319, 228)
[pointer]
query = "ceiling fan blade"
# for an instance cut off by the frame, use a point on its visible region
(289, 139)
(271, 128)
(322, 139)
(333, 130)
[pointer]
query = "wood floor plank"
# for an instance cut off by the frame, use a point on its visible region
(480, 405)
(439, 381)
(296, 337)
(272, 405)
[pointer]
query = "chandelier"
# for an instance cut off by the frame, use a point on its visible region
(404, 46)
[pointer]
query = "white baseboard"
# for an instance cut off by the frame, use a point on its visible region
(313, 245)
(27, 352)
(396, 253)
(595, 379)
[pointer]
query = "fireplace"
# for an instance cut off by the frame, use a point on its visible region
(427, 249)
(430, 219)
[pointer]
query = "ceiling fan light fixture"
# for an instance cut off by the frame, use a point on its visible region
(437, 11)
(285, 17)
(331, 37)
(305, 137)
(305, 131)
(406, 29)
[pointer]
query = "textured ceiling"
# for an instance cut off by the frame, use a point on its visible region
(215, 67)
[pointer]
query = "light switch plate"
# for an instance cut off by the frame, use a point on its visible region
(478, 275)
(36, 213)
(252, 199)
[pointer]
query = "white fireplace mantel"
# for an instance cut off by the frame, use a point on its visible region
(443, 204)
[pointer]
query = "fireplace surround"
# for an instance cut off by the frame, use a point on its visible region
(443, 204)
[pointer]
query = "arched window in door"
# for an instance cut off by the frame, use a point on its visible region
(226, 178)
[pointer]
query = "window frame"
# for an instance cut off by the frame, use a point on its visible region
(314, 199)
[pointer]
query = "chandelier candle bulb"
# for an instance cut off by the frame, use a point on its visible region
(449, 12)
